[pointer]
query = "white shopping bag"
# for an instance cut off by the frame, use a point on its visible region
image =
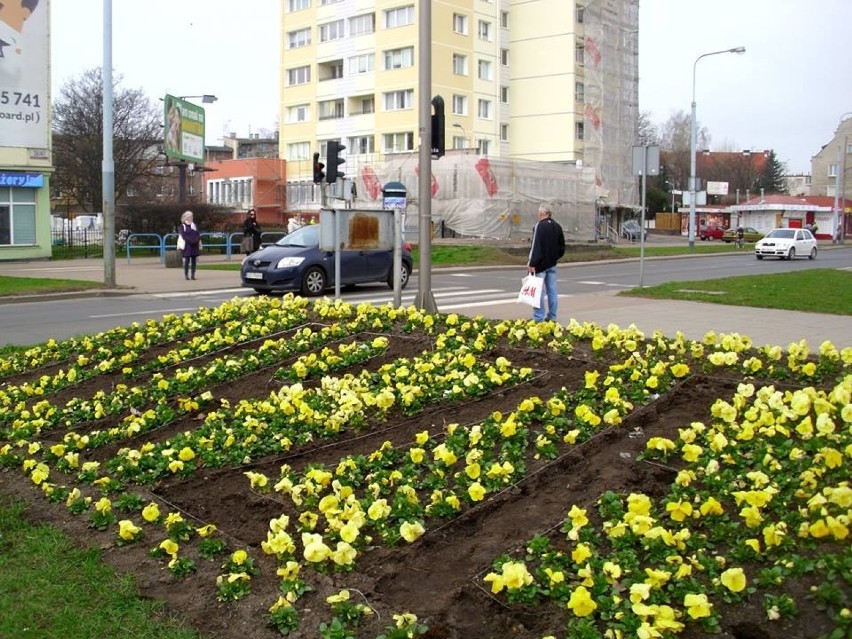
(530, 292)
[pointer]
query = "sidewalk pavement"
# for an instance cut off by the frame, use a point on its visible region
(693, 319)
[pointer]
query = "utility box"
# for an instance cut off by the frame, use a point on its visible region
(174, 259)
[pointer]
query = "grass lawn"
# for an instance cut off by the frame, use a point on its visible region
(49, 588)
(10, 285)
(814, 290)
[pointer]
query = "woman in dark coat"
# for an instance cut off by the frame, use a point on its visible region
(191, 244)
(252, 229)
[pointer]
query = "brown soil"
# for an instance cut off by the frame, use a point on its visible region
(438, 577)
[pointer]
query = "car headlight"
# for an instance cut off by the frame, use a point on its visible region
(289, 262)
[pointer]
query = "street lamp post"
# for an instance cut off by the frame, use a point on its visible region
(693, 141)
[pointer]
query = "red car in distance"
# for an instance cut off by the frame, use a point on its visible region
(713, 232)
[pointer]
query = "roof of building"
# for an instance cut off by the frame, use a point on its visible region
(774, 201)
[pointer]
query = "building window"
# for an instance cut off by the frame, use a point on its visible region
(484, 30)
(483, 146)
(460, 23)
(331, 70)
(832, 170)
(368, 105)
(297, 5)
(399, 17)
(580, 14)
(504, 57)
(399, 58)
(365, 63)
(299, 75)
(362, 145)
(298, 113)
(398, 142)
(17, 216)
(399, 100)
(299, 38)
(579, 92)
(330, 109)
(459, 142)
(579, 53)
(504, 95)
(459, 105)
(331, 31)
(459, 64)
(483, 109)
(325, 2)
(504, 132)
(579, 130)
(298, 151)
(504, 19)
(484, 69)
(362, 25)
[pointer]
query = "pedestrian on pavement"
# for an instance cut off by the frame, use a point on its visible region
(548, 246)
(740, 237)
(251, 231)
(189, 244)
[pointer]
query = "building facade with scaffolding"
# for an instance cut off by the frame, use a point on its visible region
(541, 106)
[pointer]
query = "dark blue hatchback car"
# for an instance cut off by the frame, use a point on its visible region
(296, 263)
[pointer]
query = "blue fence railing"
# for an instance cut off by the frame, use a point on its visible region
(221, 243)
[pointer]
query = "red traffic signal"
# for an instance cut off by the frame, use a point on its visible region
(319, 174)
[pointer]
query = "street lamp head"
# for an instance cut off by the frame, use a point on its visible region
(737, 50)
(457, 125)
(208, 98)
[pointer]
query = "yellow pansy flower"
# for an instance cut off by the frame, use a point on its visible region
(733, 579)
(581, 602)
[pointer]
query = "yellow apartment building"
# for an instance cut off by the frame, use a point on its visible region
(537, 93)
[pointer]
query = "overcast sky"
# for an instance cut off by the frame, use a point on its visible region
(787, 92)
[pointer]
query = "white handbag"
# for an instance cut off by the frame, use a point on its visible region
(181, 243)
(530, 293)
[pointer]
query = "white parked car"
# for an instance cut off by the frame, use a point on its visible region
(787, 243)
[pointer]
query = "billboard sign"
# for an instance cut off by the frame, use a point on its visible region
(184, 130)
(24, 61)
(717, 188)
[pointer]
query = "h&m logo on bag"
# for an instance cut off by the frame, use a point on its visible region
(529, 289)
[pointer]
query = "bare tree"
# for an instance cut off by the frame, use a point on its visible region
(647, 133)
(675, 146)
(78, 138)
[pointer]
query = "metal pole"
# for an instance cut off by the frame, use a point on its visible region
(693, 142)
(843, 192)
(107, 165)
(424, 299)
(642, 224)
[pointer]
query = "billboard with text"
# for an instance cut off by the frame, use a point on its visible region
(24, 99)
(184, 130)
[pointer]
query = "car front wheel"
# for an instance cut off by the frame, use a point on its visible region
(313, 282)
(760, 257)
(404, 275)
(791, 254)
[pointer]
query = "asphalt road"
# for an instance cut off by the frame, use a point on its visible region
(461, 290)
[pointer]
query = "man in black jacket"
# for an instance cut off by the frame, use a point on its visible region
(548, 245)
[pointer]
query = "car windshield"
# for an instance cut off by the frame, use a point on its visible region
(302, 238)
(787, 234)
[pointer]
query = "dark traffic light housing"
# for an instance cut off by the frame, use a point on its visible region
(438, 126)
(333, 161)
(319, 174)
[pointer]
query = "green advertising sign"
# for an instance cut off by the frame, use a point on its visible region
(184, 130)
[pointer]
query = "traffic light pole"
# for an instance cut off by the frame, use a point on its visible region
(425, 299)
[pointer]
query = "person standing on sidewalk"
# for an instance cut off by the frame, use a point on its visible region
(251, 231)
(548, 246)
(189, 244)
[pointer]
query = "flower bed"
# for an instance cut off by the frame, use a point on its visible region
(380, 470)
